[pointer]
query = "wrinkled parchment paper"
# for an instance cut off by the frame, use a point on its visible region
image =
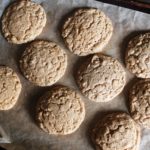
(19, 122)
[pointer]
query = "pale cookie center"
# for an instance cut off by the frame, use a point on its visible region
(18, 25)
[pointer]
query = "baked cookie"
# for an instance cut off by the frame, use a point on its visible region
(23, 21)
(138, 56)
(60, 111)
(101, 78)
(43, 63)
(10, 88)
(140, 102)
(116, 131)
(87, 31)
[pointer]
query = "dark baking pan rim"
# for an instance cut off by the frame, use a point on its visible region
(131, 4)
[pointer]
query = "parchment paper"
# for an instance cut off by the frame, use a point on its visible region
(19, 122)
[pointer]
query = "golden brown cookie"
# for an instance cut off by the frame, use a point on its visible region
(87, 31)
(139, 101)
(10, 88)
(116, 131)
(23, 21)
(138, 56)
(101, 78)
(43, 63)
(60, 111)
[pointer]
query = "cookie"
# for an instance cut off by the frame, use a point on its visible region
(101, 78)
(116, 131)
(23, 21)
(43, 63)
(87, 31)
(10, 88)
(138, 56)
(60, 111)
(139, 101)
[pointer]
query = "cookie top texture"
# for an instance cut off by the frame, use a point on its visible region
(43, 63)
(87, 31)
(60, 111)
(101, 78)
(139, 101)
(138, 55)
(116, 131)
(10, 87)
(23, 21)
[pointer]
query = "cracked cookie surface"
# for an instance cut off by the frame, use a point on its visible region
(139, 100)
(10, 88)
(43, 63)
(138, 56)
(101, 78)
(87, 31)
(23, 21)
(60, 111)
(116, 131)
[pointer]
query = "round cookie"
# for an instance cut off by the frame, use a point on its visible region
(116, 131)
(60, 111)
(140, 102)
(138, 56)
(87, 31)
(10, 88)
(23, 21)
(43, 63)
(101, 78)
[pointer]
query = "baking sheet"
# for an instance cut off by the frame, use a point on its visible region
(19, 123)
